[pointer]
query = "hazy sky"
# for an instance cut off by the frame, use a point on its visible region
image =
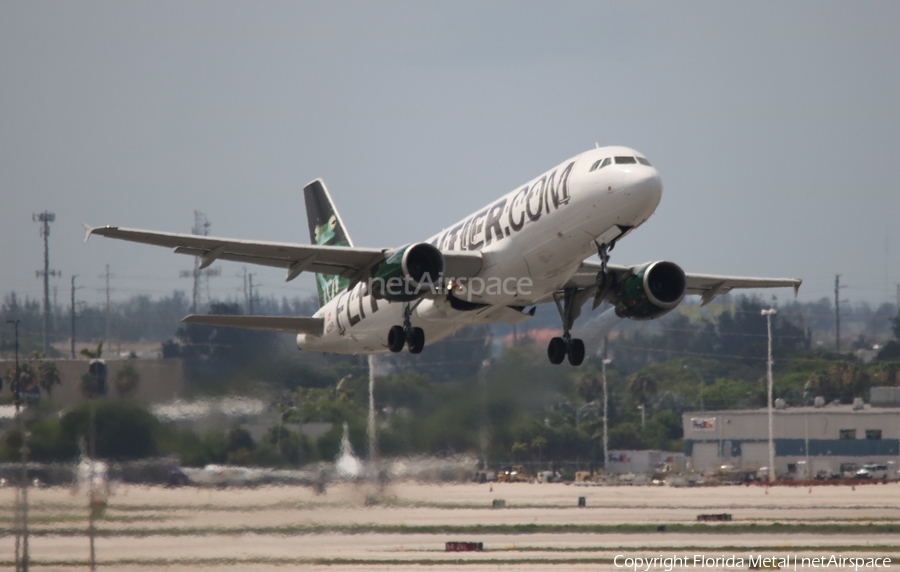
(775, 127)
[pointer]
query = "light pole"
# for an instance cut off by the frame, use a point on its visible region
(23, 510)
(643, 415)
(768, 314)
(605, 363)
(372, 440)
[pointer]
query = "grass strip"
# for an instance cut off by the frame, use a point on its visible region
(83, 517)
(392, 562)
(207, 562)
(883, 548)
(533, 528)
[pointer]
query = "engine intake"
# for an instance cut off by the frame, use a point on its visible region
(651, 292)
(408, 273)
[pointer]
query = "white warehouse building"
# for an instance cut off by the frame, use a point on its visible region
(809, 441)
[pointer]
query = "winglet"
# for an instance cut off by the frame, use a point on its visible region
(88, 230)
(797, 287)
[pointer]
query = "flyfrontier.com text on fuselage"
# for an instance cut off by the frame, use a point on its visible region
(787, 562)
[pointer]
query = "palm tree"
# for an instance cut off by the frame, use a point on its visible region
(95, 354)
(641, 388)
(48, 376)
(127, 380)
(93, 383)
(27, 377)
(588, 386)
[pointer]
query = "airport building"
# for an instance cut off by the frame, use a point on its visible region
(810, 442)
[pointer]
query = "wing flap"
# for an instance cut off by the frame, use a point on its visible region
(287, 324)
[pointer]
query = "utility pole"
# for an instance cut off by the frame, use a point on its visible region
(837, 313)
(700, 381)
(45, 218)
(72, 315)
(250, 291)
(246, 296)
(106, 275)
(768, 314)
(200, 228)
(15, 383)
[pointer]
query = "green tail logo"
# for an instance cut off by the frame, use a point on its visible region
(325, 229)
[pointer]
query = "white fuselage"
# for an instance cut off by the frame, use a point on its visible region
(534, 237)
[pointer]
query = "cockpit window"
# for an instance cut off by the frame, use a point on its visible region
(625, 161)
(643, 161)
(600, 164)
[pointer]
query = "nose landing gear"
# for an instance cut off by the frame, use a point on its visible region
(407, 334)
(606, 280)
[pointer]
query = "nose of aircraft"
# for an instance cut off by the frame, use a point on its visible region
(645, 189)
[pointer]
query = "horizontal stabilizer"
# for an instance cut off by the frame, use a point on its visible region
(286, 324)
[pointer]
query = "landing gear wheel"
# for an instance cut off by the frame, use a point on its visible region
(396, 339)
(416, 340)
(556, 351)
(575, 352)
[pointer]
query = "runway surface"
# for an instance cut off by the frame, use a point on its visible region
(405, 527)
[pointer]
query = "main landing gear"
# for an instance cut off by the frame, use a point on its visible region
(407, 335)
(567, 346)
(569, 303)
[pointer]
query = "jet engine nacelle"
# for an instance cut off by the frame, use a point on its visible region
(408, 273)
(651, 292)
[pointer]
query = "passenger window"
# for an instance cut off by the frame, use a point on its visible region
(643, 161)
(873, 433)
(625, 161)
(847, 434)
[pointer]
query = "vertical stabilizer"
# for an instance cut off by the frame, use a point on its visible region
(325, 229)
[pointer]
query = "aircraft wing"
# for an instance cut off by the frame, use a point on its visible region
(708, 286)
(347, 261)
(286, 324)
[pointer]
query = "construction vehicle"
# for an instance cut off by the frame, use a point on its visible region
(516, 474)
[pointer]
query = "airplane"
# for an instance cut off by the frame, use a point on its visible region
(529, 247)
